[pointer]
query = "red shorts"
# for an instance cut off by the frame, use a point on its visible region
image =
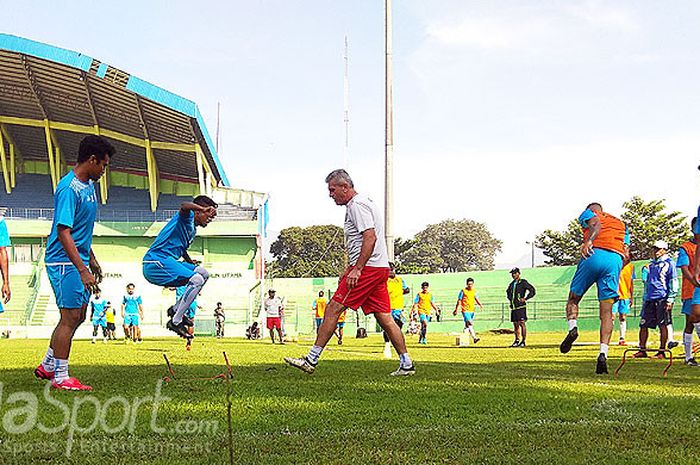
(370, 292)
(274, 322)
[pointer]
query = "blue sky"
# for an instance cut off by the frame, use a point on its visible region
(515, 113)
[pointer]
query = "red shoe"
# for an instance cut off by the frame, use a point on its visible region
(188, 348)
(41, 373)
(70, 384)
(621, 342)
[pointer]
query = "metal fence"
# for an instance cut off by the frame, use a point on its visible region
(105, 215)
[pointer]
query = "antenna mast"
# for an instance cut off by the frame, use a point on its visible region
(346, 106)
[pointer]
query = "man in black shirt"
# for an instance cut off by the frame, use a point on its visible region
(519, 292)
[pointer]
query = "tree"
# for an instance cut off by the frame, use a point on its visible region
(562, 247)
(449, 246)
(648, 222)
(311, 251)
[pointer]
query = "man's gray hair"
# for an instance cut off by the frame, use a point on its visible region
(340, 176)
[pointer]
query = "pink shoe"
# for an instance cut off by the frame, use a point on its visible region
(41, 373)
(70, 384)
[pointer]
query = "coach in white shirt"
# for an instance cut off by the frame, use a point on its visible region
(363, 284)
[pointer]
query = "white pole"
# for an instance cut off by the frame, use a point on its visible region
(389, 138)
(261, 219)
(346, 106)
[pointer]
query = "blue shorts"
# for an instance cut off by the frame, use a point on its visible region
(318, 322)
(68, 288)
(341, 324)
(696, 297)
(468, 316)
(2, 309)
(131, 319)
(622, 307)
(602, 268)
(423, 317)
(687, 304)
(168, 272)
(99, 322)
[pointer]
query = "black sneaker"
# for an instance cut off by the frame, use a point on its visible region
(565, 346)
(691, 362)
(477, 340)
(515, 343)
(180, 330)
(672, 344)
(522, 344)
(602, 365)
(171, 311)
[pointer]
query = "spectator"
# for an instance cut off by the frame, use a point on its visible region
(274, 310)
(519, 291)
(220, 318)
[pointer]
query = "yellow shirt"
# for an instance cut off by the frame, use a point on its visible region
(320, 307)
(468, 300)
(110, 315)
(423, 300)
(395, 287)
(626, 276)
(341, 318)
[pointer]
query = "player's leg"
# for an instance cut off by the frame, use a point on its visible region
(279, 333)
(94, 332)
(423, 328)
(623, 328)
(523, 332)
(584, 277)
(571, 316)
(688, 333)
(341, 326)
(662, 318)
(325, 332)
(195, 284)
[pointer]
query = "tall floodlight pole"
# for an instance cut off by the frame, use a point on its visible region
(389, 137)
(346, 106)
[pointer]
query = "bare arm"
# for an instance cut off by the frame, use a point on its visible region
(476, 299)
(68, 244)
(95, 268)
(369, 238)
(188, 259)
(594, 231)
(688, 274)
(5, 270)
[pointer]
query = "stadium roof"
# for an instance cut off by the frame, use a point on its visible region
(51, 97)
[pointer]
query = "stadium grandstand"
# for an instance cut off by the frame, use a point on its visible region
(50, 98)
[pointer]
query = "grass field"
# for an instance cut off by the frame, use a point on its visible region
(481, 404)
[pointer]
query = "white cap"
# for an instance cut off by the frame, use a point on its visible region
(661, 245)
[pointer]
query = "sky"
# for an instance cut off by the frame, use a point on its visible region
(513, 113)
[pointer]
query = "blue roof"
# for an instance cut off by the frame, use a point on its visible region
(134, 84)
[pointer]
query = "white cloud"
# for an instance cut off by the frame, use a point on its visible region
(605, 15)
(490, 33)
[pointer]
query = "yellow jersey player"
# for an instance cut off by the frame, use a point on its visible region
(468, 300)
(319, 308)
(423, 304)
(397, 289)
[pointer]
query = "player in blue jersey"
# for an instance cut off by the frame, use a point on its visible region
(188, 319)
(695, 301)
(162, 265)
(4, 263)
(71, 266)
(98, 316)
(132, 314)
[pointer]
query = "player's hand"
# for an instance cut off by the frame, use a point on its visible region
(353, 277)
(669, 306)
(6, 293)
(522, 300)
(88, 280)
(587, 249)
(96, 271)
(455, 312)
(210, 212)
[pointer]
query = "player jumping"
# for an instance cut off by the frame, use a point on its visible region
(162, 265)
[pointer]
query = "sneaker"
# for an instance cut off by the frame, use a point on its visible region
(691, 362)
(640, 354)
(170, 311)
(70, 384)
(302, 363)
(188, 348)
(404, 371)
(340, 342)
(571, 336)
(93, 341)
(672, 344)
(42, 373)
(477, 339)
(515, 343)
(601, 366)
(621, 342)
(180, 330)
(521, 344)
(660, 356)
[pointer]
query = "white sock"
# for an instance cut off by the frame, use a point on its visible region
(49, 362)
(471, 331)
(604, 349)
(688, 345)
(314, 354)
(387, 345)
(697, 329)
(405, 360)
(60, 370)
(670, 332)
(572, 324)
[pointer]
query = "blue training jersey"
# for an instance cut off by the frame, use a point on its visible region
(75, 206)
(98, 307)
(131, 303)
(696, 229)
(4, 234)
(683, 259)
(174, 239)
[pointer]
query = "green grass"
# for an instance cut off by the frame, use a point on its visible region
(481, 404)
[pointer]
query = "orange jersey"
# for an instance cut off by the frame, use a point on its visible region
(612, 234)
(687, 288)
